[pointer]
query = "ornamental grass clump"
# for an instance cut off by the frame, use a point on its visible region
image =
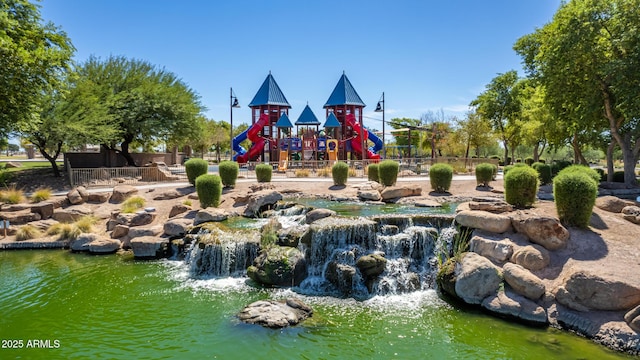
(27, 232)
(85, 223)
(229, 173)
(209, 189)
(12, 196)
(521, 186)
(484, 174)
(440, 176)
(133, 204)
(340, 173)
(373, 171)
(388, 172)
(575, 193)
(544, 172)
(41, 194)
(65, 231)
(264, 172)
(194, 168)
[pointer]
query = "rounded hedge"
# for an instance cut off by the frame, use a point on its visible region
(575, 195)
(228, 172)
(209, 189)
(195, 167)
(440, 176)
(373, 171)
(528, 161)
(388, 172)
(521, 186)
(544, 172)
(340, 173)
(484, 173)
(263, 172)
(584, 169)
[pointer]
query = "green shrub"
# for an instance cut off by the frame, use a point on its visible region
(618, 176)
(209, 189)
(575, 194)
(263, 172)
(388, 172)
(229, 172)
(484, 173)
(195, 167)
(373, 172)
(584, 169)
(340, 173)
(603, 175)
(544, 172)
(528, 161)
(440, 176)
(521, 186)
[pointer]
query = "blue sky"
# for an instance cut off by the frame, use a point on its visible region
(425, 55)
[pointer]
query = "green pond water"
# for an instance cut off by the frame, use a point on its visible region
(113, 307)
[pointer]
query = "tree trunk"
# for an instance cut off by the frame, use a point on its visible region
(536, 153)
(610, 170)
(578, 158)
(125, 152)
(51, 158)
(506, 153)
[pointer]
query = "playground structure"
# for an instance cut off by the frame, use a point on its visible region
(271, 136)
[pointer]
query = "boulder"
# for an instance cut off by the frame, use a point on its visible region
(612, 203)
(341, 276)
(210, 214)
(74, 197)
(81, 243)
(632, 214)
(632, 317)
(292, 235)
(500, 251)
(139, 231)
(14, 207)
(543, 230)
(496, 207)
(119, 231)
(12, 164)
(150, 247)
(317, 214)
(279, 266)
(581, 289)
(533, 257)
(426, 203)
(45, 209)
(178, 209)
(21, 217)
(123, 192)
(483, 220)
(400, 191)
(507, 303)
(371, 265)
(177, 227)
(275, 314)
(476, 278)
(260, 201)
(99, 198)
(43, 225)
(104, 246)
(523, 281)
(71, 214)
(168, 195)
(369, 195)
(136, 219)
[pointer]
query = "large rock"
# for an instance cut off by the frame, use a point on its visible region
(546, 231)
(123, 192)
(500, 251)
(400, 191)
(533, 257)
(483, 220)
(21, 217)
(507, 303)
(278, 266)
(45, 209)
(81, 243)
(275, 314)
(104, 246)
(581, 289)
(72, 213)
(119, 231)
(178, 209)
(341, 276)
(132, 219)
(317, 214)
(612, 203)
(177, 227)
(369, 195)
(632, 317)
(260, 201)
(150, 247)
(100, 197)
(43, 225)
(168, 195)
(476, 278)
(210, 214)
(371, 265)
(632, 213)
(139, 231)
(74, 197)
(291, 236)
(523, 281)
(490, 206)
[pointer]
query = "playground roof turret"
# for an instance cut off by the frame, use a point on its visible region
(284, 121)
(344, 94)
(269, 94)
(307, 117)
(332, 121)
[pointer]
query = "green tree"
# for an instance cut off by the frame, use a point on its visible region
(402, 137)
(474, 132)
(587, 60)
(140, 102)
(34, 57)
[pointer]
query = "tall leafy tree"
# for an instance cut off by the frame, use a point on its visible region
(402, 137)
(139, 101)
(587, 60)
(474, 132)
(34, 58)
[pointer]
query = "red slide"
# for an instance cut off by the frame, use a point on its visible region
(356, 145)
(253, 134)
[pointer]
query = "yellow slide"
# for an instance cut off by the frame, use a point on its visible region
(283, 162)
(332, 150)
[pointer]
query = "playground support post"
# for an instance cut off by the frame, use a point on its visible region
(380, 108)
(233, 103)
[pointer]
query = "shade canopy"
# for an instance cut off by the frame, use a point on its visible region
(332, 121)
(284, 121)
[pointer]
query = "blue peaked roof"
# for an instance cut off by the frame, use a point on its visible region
(284, 121)
(269, 94)
(307, 117)
(332, 121)
(344, 94)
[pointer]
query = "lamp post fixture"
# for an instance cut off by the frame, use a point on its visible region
(380, 108)
(233, 103)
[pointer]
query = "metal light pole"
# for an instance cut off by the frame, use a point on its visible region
(233, 103)
(380, 108)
